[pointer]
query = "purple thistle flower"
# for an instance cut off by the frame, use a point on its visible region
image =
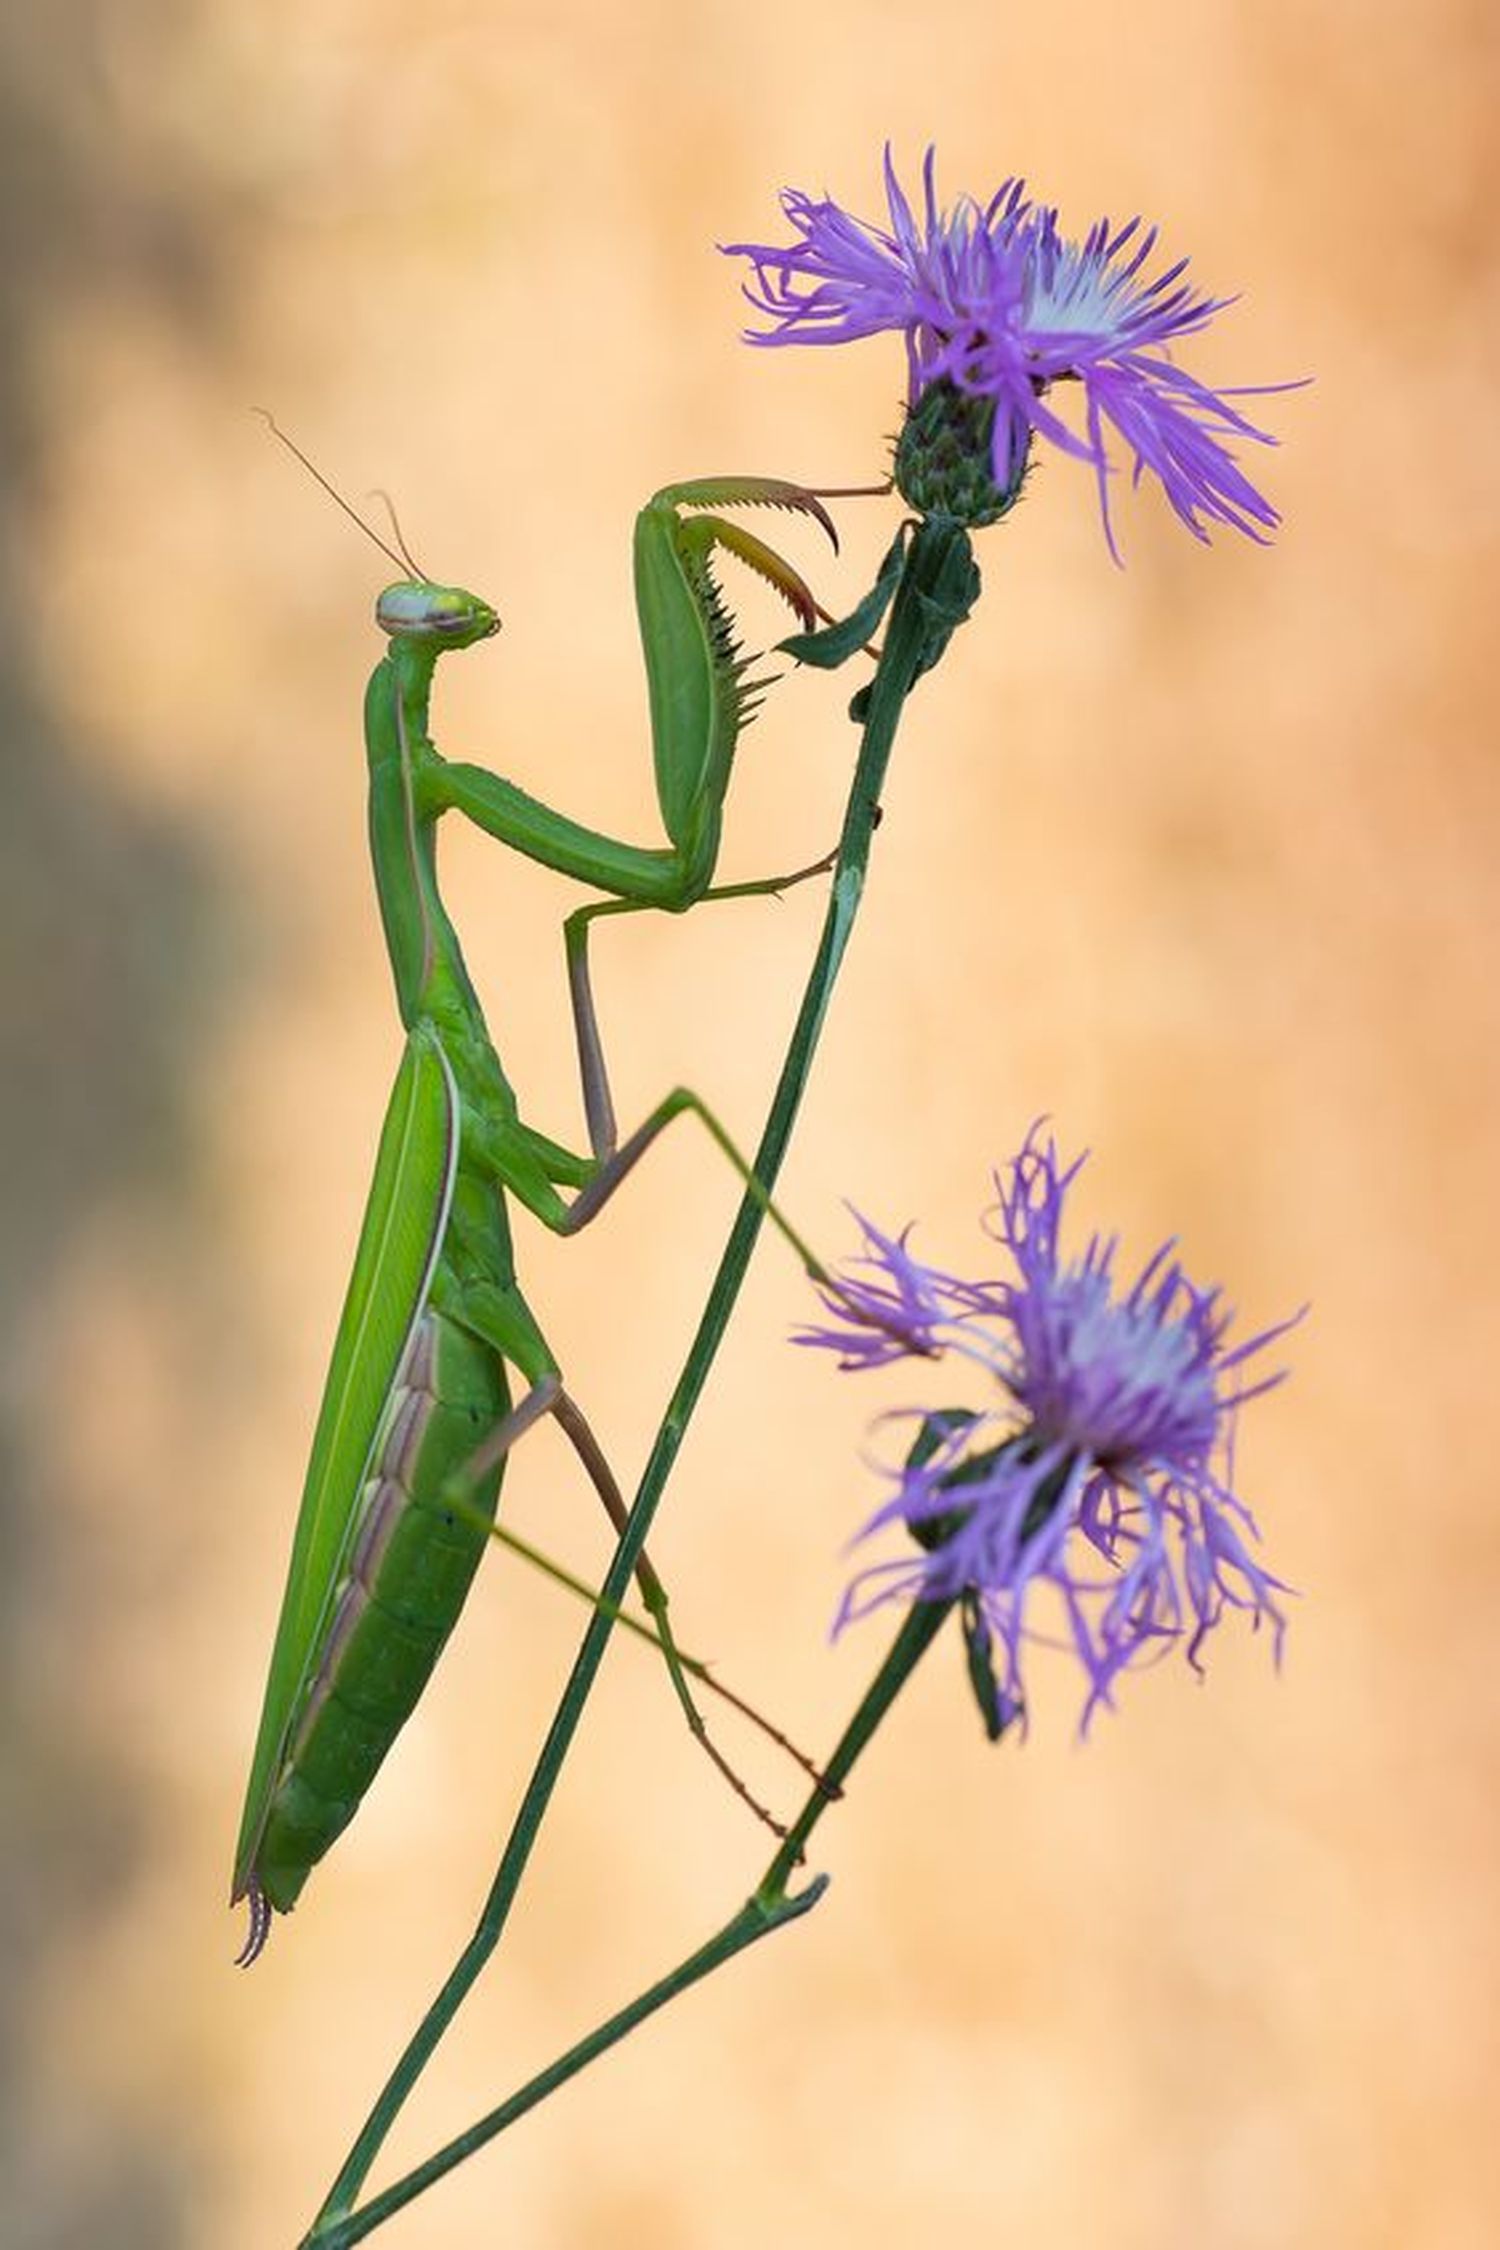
(997, 307)
(1105, 1487)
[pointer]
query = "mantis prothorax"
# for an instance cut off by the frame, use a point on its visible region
(417, 1405)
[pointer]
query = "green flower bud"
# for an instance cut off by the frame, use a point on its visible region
(943, 458)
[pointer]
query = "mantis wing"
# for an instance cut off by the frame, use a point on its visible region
(404, 1224)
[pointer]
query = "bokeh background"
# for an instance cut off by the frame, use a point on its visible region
(1199, 857)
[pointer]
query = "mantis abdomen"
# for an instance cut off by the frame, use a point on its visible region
(409, 1563)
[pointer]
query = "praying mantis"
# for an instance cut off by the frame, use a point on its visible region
(417, 1415)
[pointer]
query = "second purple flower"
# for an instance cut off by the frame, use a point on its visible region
(1096, 1506)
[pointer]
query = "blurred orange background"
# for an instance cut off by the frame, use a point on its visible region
(1198, 857)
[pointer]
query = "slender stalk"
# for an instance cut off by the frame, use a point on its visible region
(919, 1629)
(934, 576)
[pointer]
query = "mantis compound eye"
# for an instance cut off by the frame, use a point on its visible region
(418, 610)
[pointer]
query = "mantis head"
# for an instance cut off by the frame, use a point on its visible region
(415, 609)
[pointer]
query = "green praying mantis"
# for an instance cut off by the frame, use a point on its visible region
(417, 1415)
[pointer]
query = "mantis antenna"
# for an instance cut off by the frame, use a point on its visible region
(410, 559)
(403, 560)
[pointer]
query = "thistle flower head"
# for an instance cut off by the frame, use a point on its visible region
(998, 308)
(1101, 1490)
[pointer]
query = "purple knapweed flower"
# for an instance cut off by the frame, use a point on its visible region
(998, 308)
(1102, 1493)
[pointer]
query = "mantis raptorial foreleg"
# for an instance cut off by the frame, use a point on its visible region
(417, 1393)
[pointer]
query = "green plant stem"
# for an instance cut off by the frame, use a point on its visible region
(935, 574)
(919, 1629)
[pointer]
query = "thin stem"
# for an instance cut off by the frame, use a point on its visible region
(756, 1919)
(935, 574)
(919, 1629)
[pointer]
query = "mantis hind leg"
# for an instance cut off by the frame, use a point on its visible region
(502, 1319)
